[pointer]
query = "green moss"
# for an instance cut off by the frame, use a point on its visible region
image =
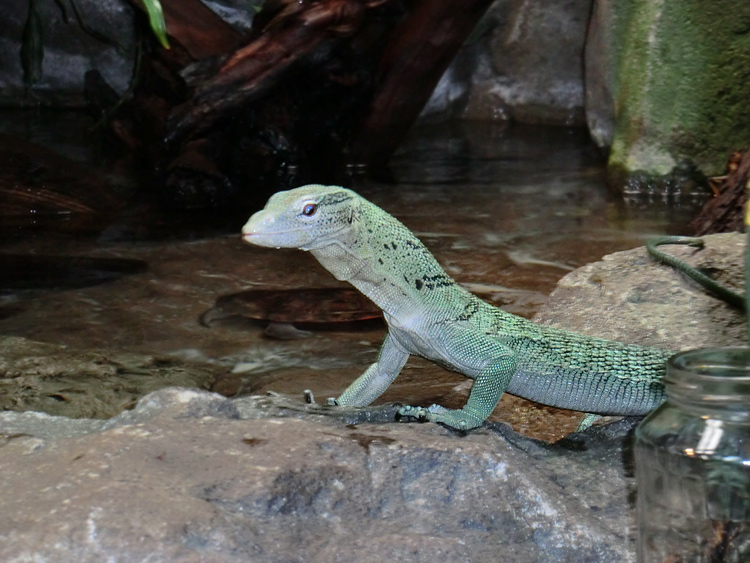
(682, 86)
(683, 179)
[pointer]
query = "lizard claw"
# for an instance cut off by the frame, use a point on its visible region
(458, 419)
(418, 413)
(310, 399)
(423, 414)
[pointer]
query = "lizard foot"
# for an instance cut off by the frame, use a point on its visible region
(414, 413)
(310, 399)
(458, 419)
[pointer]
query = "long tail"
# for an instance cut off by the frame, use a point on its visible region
(731, 297)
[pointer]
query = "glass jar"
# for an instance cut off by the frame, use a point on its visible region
(692, 461)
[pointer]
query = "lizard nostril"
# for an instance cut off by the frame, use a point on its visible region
(258, 223)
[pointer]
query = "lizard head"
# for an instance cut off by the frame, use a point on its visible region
(307, 217)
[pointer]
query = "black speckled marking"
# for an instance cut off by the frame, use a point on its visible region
(335, 199)
(438, 280)
(469, 311)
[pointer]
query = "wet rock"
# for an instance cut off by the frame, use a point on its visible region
(600, 50)
(190, 475)
(237, 13)
(68, 51)
(523, 62)
(628, 297)
(314, 306)
(37, 376)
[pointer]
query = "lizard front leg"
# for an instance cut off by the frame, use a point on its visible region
(491, 363)
(376, 379)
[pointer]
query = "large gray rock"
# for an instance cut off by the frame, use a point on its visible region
(601, 74)
(628, 297)
(69, 51)
(524, 62)
(193, 476)
(666, 88)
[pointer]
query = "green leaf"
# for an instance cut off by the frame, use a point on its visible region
(32, 48)
(156, 19)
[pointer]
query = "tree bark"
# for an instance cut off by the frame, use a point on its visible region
(317, 86)
(725, 212)
(417, 54)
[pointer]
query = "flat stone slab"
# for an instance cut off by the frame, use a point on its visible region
(65, 381)
(192, 476)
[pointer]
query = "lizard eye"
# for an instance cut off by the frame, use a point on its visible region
(309, 210)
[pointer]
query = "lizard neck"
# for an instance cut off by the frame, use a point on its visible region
(385, 261)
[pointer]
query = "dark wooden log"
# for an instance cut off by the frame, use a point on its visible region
(415, 56)
(197, 29)
(318, 85)
(725, 212)
(292, 35)
(418, 53)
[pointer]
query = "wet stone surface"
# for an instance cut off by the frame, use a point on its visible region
(62, 381)
(192, 476)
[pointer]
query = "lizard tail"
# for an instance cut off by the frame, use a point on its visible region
(731, 297)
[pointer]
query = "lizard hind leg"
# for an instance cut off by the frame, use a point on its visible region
(488, 387)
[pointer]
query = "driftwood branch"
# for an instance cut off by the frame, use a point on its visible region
(417, 54)
(724, 213)
(317, 85)
(292, 35)
(197, 29)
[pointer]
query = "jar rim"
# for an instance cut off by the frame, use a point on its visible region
(731, 363)
(716, 377)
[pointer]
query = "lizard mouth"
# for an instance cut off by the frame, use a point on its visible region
(271, 238)
(268, 238)
(268, 233)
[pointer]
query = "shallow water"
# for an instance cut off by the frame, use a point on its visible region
(507, 211)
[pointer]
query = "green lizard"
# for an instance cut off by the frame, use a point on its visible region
(430, 315)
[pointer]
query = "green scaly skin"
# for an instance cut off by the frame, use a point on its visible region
(430, 315)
